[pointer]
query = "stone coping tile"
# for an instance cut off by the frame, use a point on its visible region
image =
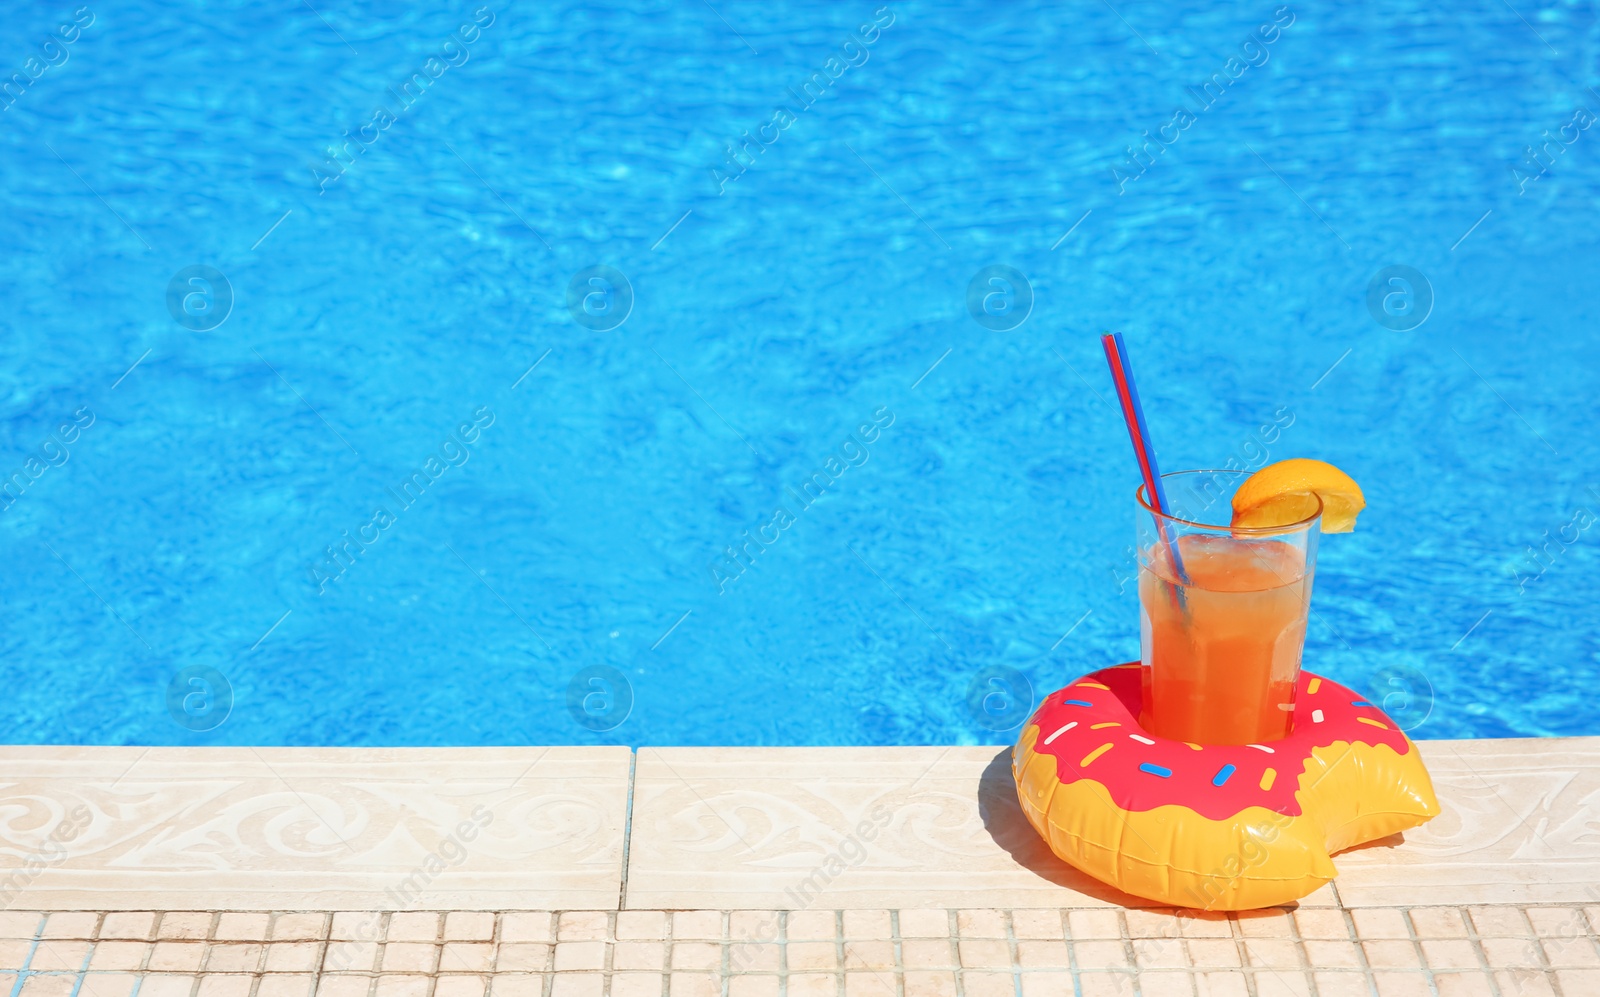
(851, 828)
(873, 828)
(256, 829)
(217, 837)
(1516, 828)
(854, 828)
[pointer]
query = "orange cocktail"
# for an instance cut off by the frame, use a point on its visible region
(1223, 622)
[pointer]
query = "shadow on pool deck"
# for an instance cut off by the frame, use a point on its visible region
(1008, 826)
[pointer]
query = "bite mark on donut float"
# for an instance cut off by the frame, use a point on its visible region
(1219, 827)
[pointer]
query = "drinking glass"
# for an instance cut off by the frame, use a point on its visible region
(1222, 613)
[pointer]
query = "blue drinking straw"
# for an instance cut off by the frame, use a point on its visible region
(1117, 354)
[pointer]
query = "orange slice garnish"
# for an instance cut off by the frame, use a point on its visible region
(1287, 492)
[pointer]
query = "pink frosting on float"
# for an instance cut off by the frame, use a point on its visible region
(1092, 730)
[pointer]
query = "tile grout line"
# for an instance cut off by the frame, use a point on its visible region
(1072, 951)
(1308, 967)
(627, 833)
(896, 946)
(783, 953)
(1246, 969)
(1587, 932)
(325, 936)
(547, 984)
(1338, 901)
(88, 954)
(727, 952)
(1129, 953)
(1361, 953)
(669, 942)
(205, 945)
(1011, 947)
(1477, 950)
(1537, 944)
(839, 952)
(952, 935)
(150, 949)
(438, 954)
(99, 925)
(1416, 946)
(261, 961)
(385, 922)
(609, 961)
(495, 934)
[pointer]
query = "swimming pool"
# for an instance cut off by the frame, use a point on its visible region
(351, 448)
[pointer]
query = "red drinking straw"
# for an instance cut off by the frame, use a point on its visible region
(1138, 432)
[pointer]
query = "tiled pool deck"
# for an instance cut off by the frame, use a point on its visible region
(734, 872)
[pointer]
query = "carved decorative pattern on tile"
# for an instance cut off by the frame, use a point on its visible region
(277, 820)
(327, 824)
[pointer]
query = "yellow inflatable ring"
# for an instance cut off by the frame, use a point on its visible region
(1219, 827)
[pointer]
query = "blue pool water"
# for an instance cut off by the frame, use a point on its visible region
(169, 549)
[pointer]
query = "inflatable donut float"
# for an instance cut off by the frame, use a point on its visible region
(1219, 827)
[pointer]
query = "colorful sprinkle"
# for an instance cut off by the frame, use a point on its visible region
(1163, 772)
(1316, 716)
(1194, 746)
(1092, 685)
(1075, 702)
(1108, 723)
(1223, 774)
(1311, 690)
(1096, 753)
(1060, 731)
(1375, 723)
(1361, 702)
(1141, 740)
(1261, 747)
(1268, 778)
